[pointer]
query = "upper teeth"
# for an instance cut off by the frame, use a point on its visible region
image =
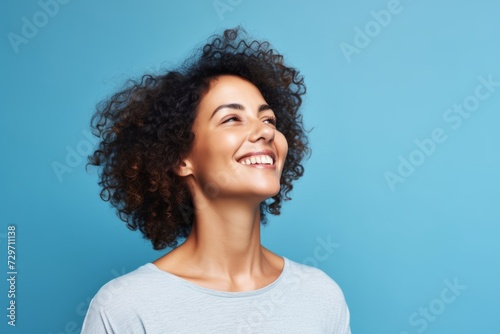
(257, 159)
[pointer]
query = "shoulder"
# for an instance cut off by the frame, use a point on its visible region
(111, 310)
(315, 277)
(328, 295)
(127, 287)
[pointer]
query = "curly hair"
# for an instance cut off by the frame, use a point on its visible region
(146, 128)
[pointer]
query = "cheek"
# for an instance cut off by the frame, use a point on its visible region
(224, 146)
(229, 141)
(281, 145)
(220, 148)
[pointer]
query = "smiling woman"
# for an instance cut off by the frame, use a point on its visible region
(238, 140)
(203, 152)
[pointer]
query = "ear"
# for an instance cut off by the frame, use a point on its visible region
(184, 168)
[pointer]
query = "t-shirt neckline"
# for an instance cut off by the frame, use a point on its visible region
(229, 294)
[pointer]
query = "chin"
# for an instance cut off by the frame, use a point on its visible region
(271, 191)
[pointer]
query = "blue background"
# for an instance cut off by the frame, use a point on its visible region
(395, 246)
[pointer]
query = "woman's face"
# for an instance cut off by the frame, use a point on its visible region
(237, 150)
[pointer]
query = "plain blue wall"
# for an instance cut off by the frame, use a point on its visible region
(375, 89)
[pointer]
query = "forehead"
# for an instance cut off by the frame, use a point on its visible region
(231, 87)
(227, 89)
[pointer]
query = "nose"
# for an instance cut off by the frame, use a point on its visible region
(261, 130)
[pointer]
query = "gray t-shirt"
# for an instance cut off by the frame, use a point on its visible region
(302, 300)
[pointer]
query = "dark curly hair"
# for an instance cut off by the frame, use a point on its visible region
(146, 128)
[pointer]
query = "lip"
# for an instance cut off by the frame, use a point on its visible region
(264, 152)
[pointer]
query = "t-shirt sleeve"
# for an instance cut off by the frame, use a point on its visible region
(340, 316)
(344, 326)
(111, 313)
(96, 321)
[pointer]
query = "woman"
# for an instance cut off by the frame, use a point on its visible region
(202, 153)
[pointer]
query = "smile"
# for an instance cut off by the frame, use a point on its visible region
(257, 160)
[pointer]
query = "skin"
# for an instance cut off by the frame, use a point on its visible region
(223, 251)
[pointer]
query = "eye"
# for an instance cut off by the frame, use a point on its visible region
(231, 119)
(271, 120)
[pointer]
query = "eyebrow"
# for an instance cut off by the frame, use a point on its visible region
(238, 106)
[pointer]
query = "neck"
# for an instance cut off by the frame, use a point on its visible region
(225, 239)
